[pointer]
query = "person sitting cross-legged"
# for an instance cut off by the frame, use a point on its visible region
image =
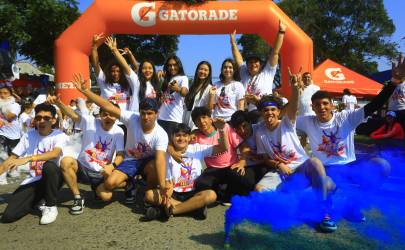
(101, 139)
(41, 148)
(181, 176)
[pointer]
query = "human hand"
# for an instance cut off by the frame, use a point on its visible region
(398, 70)
(111, 42)
(174, 85)
(177, 156)
(251, 98)
(282, 26)
(232, 36)
(219, 123)
(79, 83)
(97, 38)
(16, 162)
(213, 91)
(52, 99)
(161, 74)
(240, 167)
(296, 79)
(284, 169)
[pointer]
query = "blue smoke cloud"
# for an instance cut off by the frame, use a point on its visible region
(370, 184)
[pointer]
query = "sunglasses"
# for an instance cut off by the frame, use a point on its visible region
(45, 118)
(222, 94)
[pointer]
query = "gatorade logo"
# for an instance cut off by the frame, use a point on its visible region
(335, 74)
(144, 14)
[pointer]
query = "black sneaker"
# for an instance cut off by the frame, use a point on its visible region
(201, 213)
(77, 207)
(153, 213)
(130, 192)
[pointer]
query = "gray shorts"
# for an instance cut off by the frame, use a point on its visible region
(272, 180)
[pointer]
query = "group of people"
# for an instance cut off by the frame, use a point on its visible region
(192, 144)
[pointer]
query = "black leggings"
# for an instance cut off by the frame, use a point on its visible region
(26, 196)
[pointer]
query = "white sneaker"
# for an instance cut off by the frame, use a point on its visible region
(49, 215)
(3, 179)
(15, 173)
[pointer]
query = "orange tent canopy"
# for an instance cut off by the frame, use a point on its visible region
(334, 78)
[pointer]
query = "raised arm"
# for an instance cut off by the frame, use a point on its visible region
(82, 87)
(94, 53)
(211, 98)
(237, 56)
(273, 57)
(132, 59)
(297, 87)
(398, 77)
(222, 145)
(112, 44)
(65, 109)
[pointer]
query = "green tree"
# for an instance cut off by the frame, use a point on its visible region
(351, 32)
(31, 26)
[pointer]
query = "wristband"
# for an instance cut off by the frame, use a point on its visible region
(34, 158)
(114, 165)
(281, 31)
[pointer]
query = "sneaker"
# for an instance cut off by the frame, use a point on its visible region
(49, 215)
(3, 179)
(153, 213)
(77, 207)
(201, 213)
(327, 225)
(40, 205)
(130, 192)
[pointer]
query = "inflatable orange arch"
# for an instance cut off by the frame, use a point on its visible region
(73, 47)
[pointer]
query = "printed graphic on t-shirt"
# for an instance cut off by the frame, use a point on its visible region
(187, 177)
(251, 88)
(141, 150)
(36, 166)
(151, 95)
(398, 95)
(223, 102)
(283, 153)
(331, 144)
(168, 98)
(99, 154)
(119, 97)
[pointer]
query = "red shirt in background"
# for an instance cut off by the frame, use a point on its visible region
(396, 132)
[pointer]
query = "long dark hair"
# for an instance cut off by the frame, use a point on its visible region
(142, 79)
(236, 76)
(196, 85)
(168, 76)
(123, 80)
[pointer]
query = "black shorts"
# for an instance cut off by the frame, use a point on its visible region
(182, 196)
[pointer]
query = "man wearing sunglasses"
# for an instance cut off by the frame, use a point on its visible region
(101, 139)
(41, 148)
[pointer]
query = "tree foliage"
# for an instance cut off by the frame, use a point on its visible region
(351, 32)
(31, 26)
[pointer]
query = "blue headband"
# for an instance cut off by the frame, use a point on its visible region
(268, 104)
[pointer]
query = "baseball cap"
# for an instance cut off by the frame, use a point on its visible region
(391, 113)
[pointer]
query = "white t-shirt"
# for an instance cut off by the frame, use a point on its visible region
(332, 142)
(140, 145)
(113, 91)
(173, 104)
(227, 104)
(32, 143)
(25, 121)
(10, 129)
(397, 99)
(282, 142)
(260, 84)
(199, 101)
(98, 145)
(305, 103)
(41, 98)
(350, 102)
(184, 174)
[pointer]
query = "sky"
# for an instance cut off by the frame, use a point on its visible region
(215, 48)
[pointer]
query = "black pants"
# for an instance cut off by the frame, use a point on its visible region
(168, 126)
(401, 117)
(26, 196)
(8, 144)
(238, 184)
